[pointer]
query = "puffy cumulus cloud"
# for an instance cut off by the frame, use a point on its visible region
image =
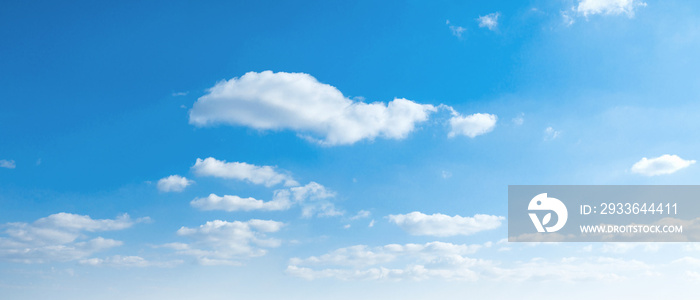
(608, 7)
(265, 175)
(226, 243)
(299, 102)
(472, 125)
(8, 164)
(127, 261)
(417, 223)
(313, 199)
(664, 164)
(173, 183)
(453, 262)
(59, 237)
(489, 21)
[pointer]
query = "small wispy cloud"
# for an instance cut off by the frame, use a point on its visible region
(664, 164)
(456, 30)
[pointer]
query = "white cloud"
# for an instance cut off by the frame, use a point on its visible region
(456, 30)
(472, 125)
(417, 223)
(127, 261)
(265, 175)
(489, 21)
(664, 164)
(235, 203)
(59, 237)
(226, 243)
(299, 102)
(312, 198)
(567, 18)
(8, 164)
(551, 134)
(173, 183)
(608, 7)
(392, 262)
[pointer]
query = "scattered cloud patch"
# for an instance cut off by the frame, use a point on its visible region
(489, 21)
(173, 183)
(59, 237)
(227, 243)
(119, 261)
(265, 175)
(662, 165)
(313, 199)
(608, 7)
(417, 223)
(472, 125)
(8, 164)
(456, 30)
(446, 174)
(299, 102)
(179, 94)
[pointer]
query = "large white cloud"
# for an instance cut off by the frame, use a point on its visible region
(173, 183)
(226, 243)
(265, 175)
(664, 164)
(472, 125)
(297, 101)
(58, 237)
(417, 223)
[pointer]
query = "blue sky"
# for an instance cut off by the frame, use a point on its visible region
(357, 149)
